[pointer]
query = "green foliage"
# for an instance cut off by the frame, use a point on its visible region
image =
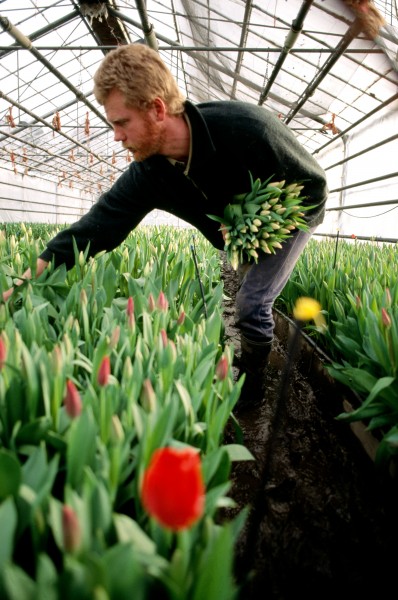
(357, 288)
(162, 390)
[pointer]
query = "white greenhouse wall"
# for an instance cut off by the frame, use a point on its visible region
(372, 221)
(31, 200)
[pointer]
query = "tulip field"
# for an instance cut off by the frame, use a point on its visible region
(116, 387)
(104, 369)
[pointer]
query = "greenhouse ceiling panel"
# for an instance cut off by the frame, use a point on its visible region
(321, 67)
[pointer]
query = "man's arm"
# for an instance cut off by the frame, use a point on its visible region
(40, 266)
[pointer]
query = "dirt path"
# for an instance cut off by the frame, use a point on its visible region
(323, 519)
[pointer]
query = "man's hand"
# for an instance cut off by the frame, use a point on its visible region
(40, 266)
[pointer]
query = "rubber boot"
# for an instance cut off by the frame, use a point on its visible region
(253, 362)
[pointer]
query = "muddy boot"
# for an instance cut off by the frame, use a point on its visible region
(253, 362)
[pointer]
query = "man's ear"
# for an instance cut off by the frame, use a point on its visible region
(159, 108)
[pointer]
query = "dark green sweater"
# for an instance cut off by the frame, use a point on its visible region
(229, 140)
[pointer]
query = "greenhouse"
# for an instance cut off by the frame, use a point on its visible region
(199, 310)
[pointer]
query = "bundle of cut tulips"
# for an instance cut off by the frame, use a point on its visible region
(261, 219)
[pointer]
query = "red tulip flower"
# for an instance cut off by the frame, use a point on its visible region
(173, 491)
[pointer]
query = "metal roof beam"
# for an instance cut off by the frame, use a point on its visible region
(295, 30)
(27, 44)
(346, 40)
(147, 27)
(242, 44)
(40, 32)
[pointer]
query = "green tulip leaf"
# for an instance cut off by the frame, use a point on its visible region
(8, 524)
(10, 474)
(237, 452)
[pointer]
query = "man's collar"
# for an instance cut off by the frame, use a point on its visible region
(202, 147)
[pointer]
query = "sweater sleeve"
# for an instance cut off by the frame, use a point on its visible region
(107, 223)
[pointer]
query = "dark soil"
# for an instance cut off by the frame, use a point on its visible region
(323, 517)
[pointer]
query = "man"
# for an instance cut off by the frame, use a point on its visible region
(190, 160)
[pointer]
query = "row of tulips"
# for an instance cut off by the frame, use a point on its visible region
(357, 287)
(115, 391)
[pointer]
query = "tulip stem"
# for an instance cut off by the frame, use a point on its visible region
(335, 250)
(198, 275)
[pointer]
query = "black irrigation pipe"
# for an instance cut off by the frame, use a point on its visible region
(357, 237)
(270, 449)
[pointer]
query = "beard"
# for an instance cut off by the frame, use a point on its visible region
(149, 143)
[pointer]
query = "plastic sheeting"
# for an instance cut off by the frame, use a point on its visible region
(335, 90)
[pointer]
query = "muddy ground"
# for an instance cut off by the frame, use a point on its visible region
(323, 518)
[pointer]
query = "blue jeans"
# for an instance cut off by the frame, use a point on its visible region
(261, 283)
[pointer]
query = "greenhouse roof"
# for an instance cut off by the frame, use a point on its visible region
(322, 67)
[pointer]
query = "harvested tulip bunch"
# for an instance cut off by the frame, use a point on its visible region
(261, 219)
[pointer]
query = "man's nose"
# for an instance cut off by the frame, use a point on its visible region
(119, 135)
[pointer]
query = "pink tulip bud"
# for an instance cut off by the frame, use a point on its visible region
(57, 359)
(148, 396)
(385, 317)
(181, 318)
(151, 303)
(164, 337)
(117, 433)
(130, 313)
(358, 301)
(388, 296)
(130, 306)
(222, 368)
(3, 352)
(162, 302)
(72, 400)
(83, 297)
(71, 529)
(104, 371)
(114, 337)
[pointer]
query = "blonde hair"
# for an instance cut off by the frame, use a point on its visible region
(139, 73)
